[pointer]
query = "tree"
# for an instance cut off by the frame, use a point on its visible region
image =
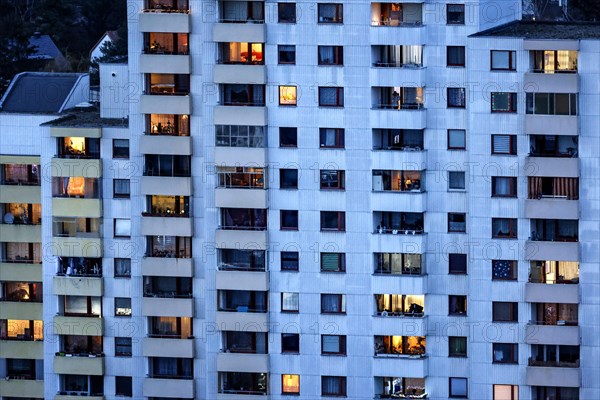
(585, 10)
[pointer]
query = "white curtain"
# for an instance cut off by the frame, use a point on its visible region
(412, 55)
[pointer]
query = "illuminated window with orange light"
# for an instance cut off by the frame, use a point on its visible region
(287, 95)
(290, 384)
(16, 329)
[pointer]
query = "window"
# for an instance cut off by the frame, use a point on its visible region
(458, 387)
(333, 303)
(332, 138)
(286, 13)
(288, 137)
(504, 228)
(505, 311)
(331, 96)
(503, 60)
(552, 103)
(290, 384)
(504, 270)
(455, 14)
(330, 13)
(333, 262)
(122, 227)
(333, 386)
(504, 186)
(122, 267)
(455, 56)
(505, 353)
(123, 347)
(122, 307)
(457, 346)
(554, 61)
(504, 102)
(290, 260)
(508, 392)
(457, 139)
(287, 95)
(504, 144)
(456, 98)
(120, 148)
(333, 344)
(288, 178)
(290, 302)
(333, 221)
(456, 180)
(457, 263)
(240, 136)
(121, 188)
(331, 55)
(332, 179)
(286, 54)
(457, 305)
(290, 343)
(123, 386)
(289, 220)
(457, 222)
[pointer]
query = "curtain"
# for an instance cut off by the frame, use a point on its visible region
(568, 187)
(331, 385)
(326, 54)
(501, 227)
(328, 96)
(412, 55)
(503, 186)
(289, 301)
(330, 344)
(535, 187)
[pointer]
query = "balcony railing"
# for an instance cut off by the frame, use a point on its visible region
(399, 231)
(559, 281)
(391, 106)
(233, 267)
(242, 228)
(168, 336)
(560, 364)
(396, 22)
(168, 376)
(169, 295)
(560, 322)
(398, 64)
(19, 182)
(240, 21)
(243, 103)
(20, 260)
(401, 396)
(243, 309)
(244, 392)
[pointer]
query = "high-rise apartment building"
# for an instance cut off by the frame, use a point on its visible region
(308, 199)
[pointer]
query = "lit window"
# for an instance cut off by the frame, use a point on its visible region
(290, 384)
(506, 392)
(287, 95)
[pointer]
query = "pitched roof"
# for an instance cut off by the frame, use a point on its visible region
(44, 48)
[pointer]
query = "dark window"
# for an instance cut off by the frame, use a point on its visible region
(457, 346)
(289, 220)
(330, 13)
(456, 180)
(290, 260)
(121, 189)
(458, 387)
(333, 262)
(123, 347)
(457, 139)
(333, 386)
(286, 54)
(332, 179)
(288, 137)
(331, 96)
(457, 305)
(122, 307)
(122, 267)
(333, 344)
(457, 98)
(286, 12)
(455, 14)
(504, 228)
(123, 386)
(504, 102)
(290, 343)
(331, 55)
(333, 221)
(505, 311)
(504, 186)
(455, 56)
(504, 270)
(503, 60)
(457, 263)
(457, 222)
(290, 302)
(505, 353)
(504, 144)
(120, 148)
(551, 103)
(332, 138)
(288, 178)
(333, 303)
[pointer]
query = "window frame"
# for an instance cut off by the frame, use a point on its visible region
(458, 355)
(283, 89)
(280, 8)
(513, 229)
(341, 302)
(279, 50)
(288, 393)
(341, 179)
(514, 394)
(281, 219)
(457, 189)
(464, 98)
(457, 214)
(514, 272)
(115, 228)
(297, 260)
(340, 138)
(512, 58)
(455, 271)
(338, 52)
(281, 135)
(466, 308)
(464, 56)
(282, 173)
(512, 144)
(514, 311)
(341, 263)
(116, 155)
(453, 396)
(129, 385)
(339, 13)
(115, 307)
(464, 131)
(290, 311)
(514, 354)
(283, 351)
(341, 346)
(513, 100)
(462, 21)
(513, 187)
(115, 267)
(341, 217)
(117, 195)
(119, 354)
(339, 96)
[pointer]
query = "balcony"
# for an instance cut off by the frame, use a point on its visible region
(167, 307)
(157, 144)
(78, 325)
(241, 198)
(405, 282)
(240, 156)
(165, 63)
(66, 167)
(20, 271)
(76, 207)
(401, 242)
(16, 193)
(405, 326)
(559, 251)
(409, 158)
(552, 167)
(552, 208)
(21, 310)
(21, 233)
(552, 83)
(382, 73)
(15, 388)
(169, 226)
(26, 349)
(552, 376)
(545, 293)
(552, 334)
(239, 73)
(240, 362)
(391, 118)
(82, 365)
(169, 388)
(165, 347)
(406, 366)
(168, 22)
(77, 286)
(166, 185)
(242, 239)
(89, 247)
(551, 125)
(174, 267)
(228, 32)
(242, 280)
(242, 321)
(165, 104)
(78, 396)
(396, 201)
(240, 115)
